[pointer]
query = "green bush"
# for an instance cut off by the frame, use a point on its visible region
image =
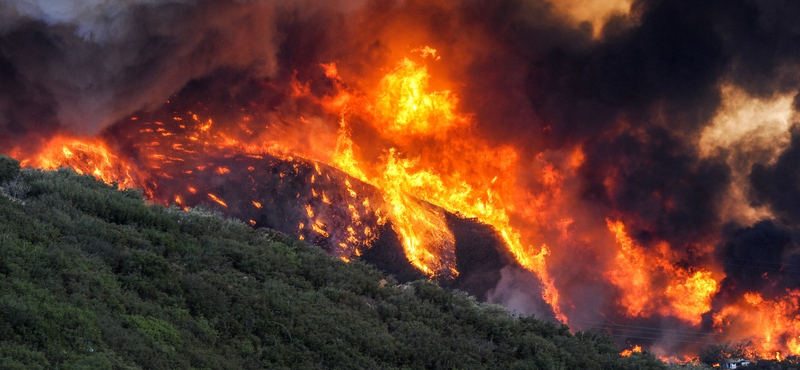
(94, 278)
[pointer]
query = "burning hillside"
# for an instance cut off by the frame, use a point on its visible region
(635, 162)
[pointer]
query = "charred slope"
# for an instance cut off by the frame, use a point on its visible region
(316, 202)
(480, 256)
(92, 277)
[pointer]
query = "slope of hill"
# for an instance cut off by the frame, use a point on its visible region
(96, 278)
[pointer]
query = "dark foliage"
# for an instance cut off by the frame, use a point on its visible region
(96, 278)
(9, 168)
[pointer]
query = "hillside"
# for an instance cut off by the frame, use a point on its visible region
(96, 278)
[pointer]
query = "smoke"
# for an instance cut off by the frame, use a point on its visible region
(514, 291)
(84, 64)
(635, 97)
(777, 184)
(754, 258)
(634, 88)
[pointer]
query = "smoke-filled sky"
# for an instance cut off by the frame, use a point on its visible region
(683, 110)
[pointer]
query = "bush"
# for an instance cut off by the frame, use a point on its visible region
(9, 168)
(92, 277)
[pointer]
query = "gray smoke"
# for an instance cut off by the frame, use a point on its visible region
(83, 64)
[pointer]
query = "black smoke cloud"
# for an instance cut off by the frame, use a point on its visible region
(669, 58)
(637, 99)
(762, 258)
(778, 185)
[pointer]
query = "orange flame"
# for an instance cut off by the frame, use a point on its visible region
(460, 173)
(403, 107)
(686, 294)
(629, 352)
(84, 156)
(773, 325)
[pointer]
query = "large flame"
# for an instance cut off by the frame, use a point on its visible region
(652, 284)
(772, 325)
(455, 171)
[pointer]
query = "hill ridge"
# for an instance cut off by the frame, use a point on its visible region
(92, 277)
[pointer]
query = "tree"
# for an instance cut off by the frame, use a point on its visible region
(9, 168)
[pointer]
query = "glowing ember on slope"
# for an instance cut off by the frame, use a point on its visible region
(218, 200)
(183, 169)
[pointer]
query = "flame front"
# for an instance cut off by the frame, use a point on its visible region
(432, 162)
(85, 156)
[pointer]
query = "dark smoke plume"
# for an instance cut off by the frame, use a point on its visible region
(82, 65)
(761, 258)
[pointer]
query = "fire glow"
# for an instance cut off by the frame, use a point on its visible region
(400, 140)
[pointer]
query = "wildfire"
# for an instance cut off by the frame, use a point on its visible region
(685, 294)
(452, 170)
(407, 156)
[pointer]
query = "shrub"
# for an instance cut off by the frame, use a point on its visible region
(9, 168)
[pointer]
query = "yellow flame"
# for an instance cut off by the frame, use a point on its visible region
(771, 323)
(472, 181)
(404, 107)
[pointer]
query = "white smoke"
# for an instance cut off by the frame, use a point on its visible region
(521, 292)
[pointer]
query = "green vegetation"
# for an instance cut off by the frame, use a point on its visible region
(96, 278)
